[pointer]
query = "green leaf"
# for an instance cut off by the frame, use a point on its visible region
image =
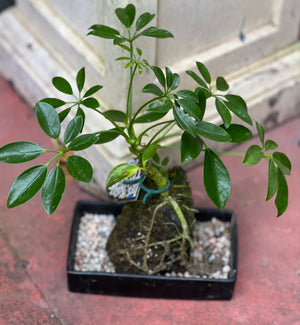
(281, 200)
(184, 121)
(150, 117)
(155, 32)
(224, 112)
(221, 84)
(103, 31)
(238, 106)
(79, 168)
(91, 103)
(63, 114)
(54, 102)
(190, 147)
(48, 119)
(272, 180)
(82, 142)
(238, 133)
(165, 161)
(92, 90)
(26, 185)
(169, 77)
(203, 70)
(201, 95)
(149, 152)
(187, 94)
(126, 15)
(120, 173)
(175, 81)
(80, 79)
(143, 20)
(160, 107)
(253, 155)
(159, 75)
(200, 81)
(216, 179)
(270, 145)
(81, 113)
(73, 129)
(212, 131)
(261, 133)
(283, 162)
(190, 108)
(115, 115)
(108, 135)
(62, 85)
(53, 189)
(152, 89)
(19, 152)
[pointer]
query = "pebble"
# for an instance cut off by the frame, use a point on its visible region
(211, 243)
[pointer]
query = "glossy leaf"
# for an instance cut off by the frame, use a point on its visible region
(53, 189)
(79, 168)
(190, 147)
(103, 31)
(261, 133)
(204, 72)
(221, 84)
(48, 119)
(253, 155)
(157, 33)
(224, 112)
(187, 94)
(149, 152)
(143, 20)
(91, 103)
(120, 173)
(26, 185)
(80, 79)
(82, 142)
(73, 129)
(272, 180)
(283, 162)
(54, 102)
(212, 131)
(115, 115)
(108, 135)
(270, 145)
(81, 113)
(200, 81)
(126, 15)
(169, 77)
(63, 114)
(62, 85)
(238, 106)
(159, 75)
(184, 121)
(216, 179)
(190, 107)
(281, 200)
(92, 91)
(160, 107)
(152, 89)
(150, 117)
(20, 152)
(175, 81)
(238, 133)
(201, 95)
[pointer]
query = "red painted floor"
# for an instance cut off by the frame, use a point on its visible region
(33, 248)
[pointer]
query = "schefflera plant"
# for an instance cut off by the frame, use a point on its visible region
(169, 109)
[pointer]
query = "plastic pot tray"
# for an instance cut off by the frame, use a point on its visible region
(154, 286)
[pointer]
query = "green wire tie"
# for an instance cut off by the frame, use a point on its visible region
(148, 191)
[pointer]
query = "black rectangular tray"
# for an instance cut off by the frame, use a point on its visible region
(150, 286)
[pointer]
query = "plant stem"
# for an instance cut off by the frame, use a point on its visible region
(230, 153)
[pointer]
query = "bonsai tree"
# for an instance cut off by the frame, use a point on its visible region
(154, 233)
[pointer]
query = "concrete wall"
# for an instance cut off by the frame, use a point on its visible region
(46, 38)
